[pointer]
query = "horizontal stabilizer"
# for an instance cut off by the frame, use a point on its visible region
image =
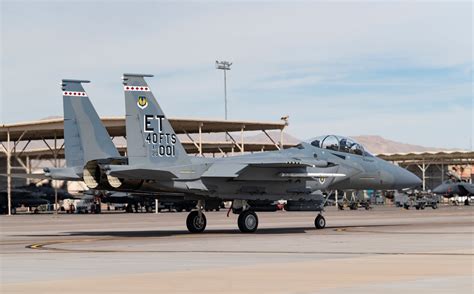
(27, 176)
(60, 176)
(125, 172)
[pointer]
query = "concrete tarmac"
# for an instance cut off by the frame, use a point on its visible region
(384, 250)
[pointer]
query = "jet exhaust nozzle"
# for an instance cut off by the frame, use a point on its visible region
(125, 184)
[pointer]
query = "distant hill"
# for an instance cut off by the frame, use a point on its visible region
(275, 135)
(378, 144)
(373, 143)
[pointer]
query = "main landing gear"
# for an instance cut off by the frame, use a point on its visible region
(196, 220)
(247, 220)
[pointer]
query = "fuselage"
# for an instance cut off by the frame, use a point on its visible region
(258, 179)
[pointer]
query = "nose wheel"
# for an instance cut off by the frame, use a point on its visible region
(320, 222)
(248, 221)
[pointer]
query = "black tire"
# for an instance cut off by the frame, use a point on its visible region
(248, 222)
(320, 222)
(434, 206)
(194, 223)
(417, 207)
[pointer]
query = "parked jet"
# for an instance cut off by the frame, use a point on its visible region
(451, 188)
(29, 196)
(455, 187)
(158, 161)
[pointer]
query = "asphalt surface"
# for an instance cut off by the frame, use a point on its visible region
(384, 250)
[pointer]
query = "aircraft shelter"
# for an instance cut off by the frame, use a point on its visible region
(24, 145)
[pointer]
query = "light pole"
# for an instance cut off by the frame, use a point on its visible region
(225, 66)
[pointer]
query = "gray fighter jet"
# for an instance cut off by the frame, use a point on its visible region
(454, 187)
(157, 161)
(450, 188)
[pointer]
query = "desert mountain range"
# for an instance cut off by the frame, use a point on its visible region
(373, 143)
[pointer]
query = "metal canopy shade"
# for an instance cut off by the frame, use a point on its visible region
(207, 147)
(438, 157)
(54, 128)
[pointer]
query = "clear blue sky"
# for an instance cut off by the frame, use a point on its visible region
(401, 70)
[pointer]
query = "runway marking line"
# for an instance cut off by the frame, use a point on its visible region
(41, 246)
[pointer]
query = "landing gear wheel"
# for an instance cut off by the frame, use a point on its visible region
(248, 221)
(196, 223)
(320, 222)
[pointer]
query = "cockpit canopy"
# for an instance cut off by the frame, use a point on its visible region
(340, 144)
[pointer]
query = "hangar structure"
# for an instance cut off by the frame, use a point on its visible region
(42, 140)
(432, 167)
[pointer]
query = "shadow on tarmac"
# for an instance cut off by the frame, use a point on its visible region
(165, 233)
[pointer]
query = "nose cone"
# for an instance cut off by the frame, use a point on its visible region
(406, 179)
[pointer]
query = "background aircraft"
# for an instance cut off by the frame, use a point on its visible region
(455, 186)
(31, 196)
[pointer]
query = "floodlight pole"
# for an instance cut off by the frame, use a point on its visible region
(9, 174)
(225, 93)
(225, 66)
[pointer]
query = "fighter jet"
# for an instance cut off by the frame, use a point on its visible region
(450, 188)
(455, 186)
(31, 196)
(158, 161)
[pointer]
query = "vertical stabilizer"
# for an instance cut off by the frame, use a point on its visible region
(85, 137)
(150, 137)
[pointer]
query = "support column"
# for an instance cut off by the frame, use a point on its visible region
(281, 139)
(200, 139)
(28, 168)
(242, 138)
(424, 175)
(442, 172)
(54, 183)
(9, 176)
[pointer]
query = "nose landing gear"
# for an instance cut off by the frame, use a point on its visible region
(320, 222)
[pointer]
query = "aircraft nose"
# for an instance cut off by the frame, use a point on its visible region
(406, 179)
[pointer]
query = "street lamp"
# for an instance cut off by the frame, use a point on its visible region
(225, 66)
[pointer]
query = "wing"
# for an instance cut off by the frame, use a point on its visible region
(285, 169)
